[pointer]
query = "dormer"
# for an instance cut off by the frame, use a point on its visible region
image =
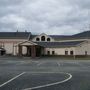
(43, 38)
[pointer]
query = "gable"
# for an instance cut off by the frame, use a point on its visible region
(47, 38)
(27, 43)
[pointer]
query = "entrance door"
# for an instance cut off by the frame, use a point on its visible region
(38, 51)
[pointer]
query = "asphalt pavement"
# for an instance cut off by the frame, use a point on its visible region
(44, 74)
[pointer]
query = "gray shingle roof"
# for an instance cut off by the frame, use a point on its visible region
(32, 36)
(60, 37)
(59, 44)
(25, 35)
(14, 35)
(82, 35)
(85, 34)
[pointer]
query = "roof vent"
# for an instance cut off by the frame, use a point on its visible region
(25, 30)
(17, 30)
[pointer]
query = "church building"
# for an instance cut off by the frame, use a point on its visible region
(27, 44)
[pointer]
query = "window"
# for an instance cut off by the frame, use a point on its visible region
(37, 39)
(71, 52)
(85, 52)
(48, 39)
(53, 52)
(66, 52)
(43, 38)
(48, 52)
(2, 52)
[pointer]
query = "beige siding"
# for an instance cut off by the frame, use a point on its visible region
(80, 50)
(60, 51)
(9, 45)
(9, 48)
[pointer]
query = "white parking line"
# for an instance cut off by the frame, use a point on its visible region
(36, 61)
(40, 63)
(73, 62)
(58, 63)
(12, 79)
(47, 85)
(22, 63)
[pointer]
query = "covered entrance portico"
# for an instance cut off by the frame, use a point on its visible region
(29, 49)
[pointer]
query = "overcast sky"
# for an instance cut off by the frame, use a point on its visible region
(63, 17)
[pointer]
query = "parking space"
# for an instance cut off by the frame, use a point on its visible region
(34, 80)
(86, 64)
(47, 64)
(43, 63)
(5, 76)
(69, 64)
(44, 75)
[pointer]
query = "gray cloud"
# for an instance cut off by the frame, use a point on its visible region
(48, 16)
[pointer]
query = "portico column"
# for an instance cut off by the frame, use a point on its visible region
(20, 50)
(33, 51)
(27, 50)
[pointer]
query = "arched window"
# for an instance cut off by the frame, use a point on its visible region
(71, 52)
(53, 52)
(48, 39)
(43, 38)
(48, 52)
(66, 52)
(85, 52)
(37, 39)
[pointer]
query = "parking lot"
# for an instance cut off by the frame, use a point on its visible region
(44, 74)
